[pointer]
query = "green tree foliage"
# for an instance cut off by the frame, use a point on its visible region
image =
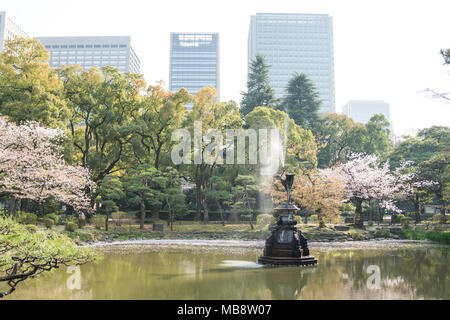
(245, 195)
(29, 88)
(145, 184)
(219, 192)
(111, 190)
(301, 147)
(259, 92)
(446, 55)
(437, 169)
(337, 138)
(376, 139)
(213, 115)
(25, 254)
(101, 125)
(301, 102)
(160, 113)
(430, 143)
(173, 195)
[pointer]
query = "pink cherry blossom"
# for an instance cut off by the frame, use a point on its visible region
(366, 179)
(32, 166)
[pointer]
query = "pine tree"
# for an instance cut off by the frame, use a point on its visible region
(259, 92)
(301, 101)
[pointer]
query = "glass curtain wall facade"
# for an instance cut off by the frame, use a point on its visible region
(301, 43)
(194, 61)
(88, 52)
(9, 29)
(363, 110)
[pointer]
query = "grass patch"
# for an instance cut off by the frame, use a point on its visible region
(440, 237)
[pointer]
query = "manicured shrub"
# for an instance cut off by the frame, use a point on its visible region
(71, 226)
(52, 216)
(441, 237)
(356, 235)
(81, 223)
(119, 215)
(398, 218)
(48, 223)
(313, 218)
(67, 218)
(438, 219)
(298, 219)
(31, 228)
(383, 233)
(406, 221)
(26, 218)
(265, 219)
(98, 221)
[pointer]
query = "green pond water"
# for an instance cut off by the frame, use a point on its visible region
(364, 270)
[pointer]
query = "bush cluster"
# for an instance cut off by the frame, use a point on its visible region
(98, 221)
(26, 218)
(71, 226)
(265, 219)
(383, 233)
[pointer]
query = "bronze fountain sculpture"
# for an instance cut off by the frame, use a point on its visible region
(286, 246)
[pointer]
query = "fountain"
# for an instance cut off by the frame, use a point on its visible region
(286, 246)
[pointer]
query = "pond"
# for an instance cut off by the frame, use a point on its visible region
(227, 270)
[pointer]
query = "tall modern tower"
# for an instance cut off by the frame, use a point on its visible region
(290, 43)
(88, 52)
(9, 29)
(194, 61)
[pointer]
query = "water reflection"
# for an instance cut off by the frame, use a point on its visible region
(186, 273)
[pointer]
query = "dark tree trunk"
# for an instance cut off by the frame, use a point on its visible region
(107, 221)
(234, 215)
(12, 207)
(24, 205)
(155, 212)
(417, 209)
(170, 218)
(198, 203)
(220, 211)
(320, 218)
(205, 210)
(142, 222)
(359, 222)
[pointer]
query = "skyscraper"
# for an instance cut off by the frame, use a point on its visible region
(9, 29)
(88, 52)
(194, 61)
(290, 43)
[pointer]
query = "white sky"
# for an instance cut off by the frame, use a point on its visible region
(384, 50)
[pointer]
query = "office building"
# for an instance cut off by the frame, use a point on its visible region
(9, 29)
(363, 110)
(290, 43)
(88, 52)
(194, 61)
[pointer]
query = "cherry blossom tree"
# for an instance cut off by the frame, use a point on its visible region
(319, 190)
(366, 179)
(32, 166)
